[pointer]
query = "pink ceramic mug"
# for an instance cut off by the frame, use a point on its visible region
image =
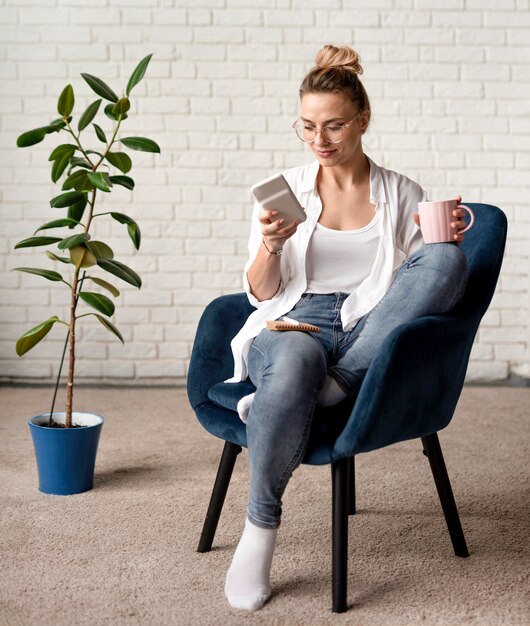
(436, 219)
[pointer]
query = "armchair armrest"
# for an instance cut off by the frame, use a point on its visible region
(412, 386)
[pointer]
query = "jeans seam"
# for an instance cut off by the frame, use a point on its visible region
(335, 335)
(463, 285)
(340, 380)
(298, 454)
(262, 354)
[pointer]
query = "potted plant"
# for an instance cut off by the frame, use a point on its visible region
(66, 442)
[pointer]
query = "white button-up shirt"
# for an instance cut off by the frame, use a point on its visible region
(395, 198)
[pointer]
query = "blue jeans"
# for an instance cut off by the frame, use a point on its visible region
(288, 368)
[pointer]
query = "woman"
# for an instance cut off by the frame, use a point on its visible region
(356, 267)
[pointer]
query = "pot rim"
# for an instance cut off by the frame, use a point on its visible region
(99, 419)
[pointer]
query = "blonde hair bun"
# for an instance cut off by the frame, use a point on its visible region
(329, 57)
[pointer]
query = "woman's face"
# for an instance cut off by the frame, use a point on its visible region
(332, 110)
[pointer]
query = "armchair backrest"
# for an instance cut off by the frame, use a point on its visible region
(484, 247)
(433, 351)
(211, 359)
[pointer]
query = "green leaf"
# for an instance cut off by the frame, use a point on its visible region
(99, 180)
(122, 218)
(100, 250)
(32, 242)
(135, 235)
(75, 212)
(109, 326)
(67, 199)
(81, 256)
(101, 88)
(124, 181)
(120, 160)
(78, 180)
(64, 148)
(56, 125)
(89, 114)
(79, 162)
(132, 227)
(99, 302)
(31, 137)
(59, 165)
(121, 271)
(113, 116)
(74, 240)
(33, 336)
(105, 285)
(58, 224)
(138, 73)
(121, 107)
(65, 105)
(100, 134)
(140, 143)
(48, 274)
(54, 257)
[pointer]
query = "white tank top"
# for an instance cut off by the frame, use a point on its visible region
(339, 260)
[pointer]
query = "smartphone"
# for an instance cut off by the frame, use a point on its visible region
(274, 194)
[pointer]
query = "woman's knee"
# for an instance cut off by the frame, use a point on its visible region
(447, 258)
(448, 262)
(289, 355)
(302, 350)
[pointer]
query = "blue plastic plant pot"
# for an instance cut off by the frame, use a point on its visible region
(66, 456)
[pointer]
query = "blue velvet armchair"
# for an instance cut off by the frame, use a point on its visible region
(410, 391)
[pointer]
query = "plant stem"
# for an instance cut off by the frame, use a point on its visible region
(109, 146)
(76, 289)
(76, 139)
(91, 203)
(58, 377)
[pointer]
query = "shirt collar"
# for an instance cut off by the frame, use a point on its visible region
(377, 187)
(309, 181)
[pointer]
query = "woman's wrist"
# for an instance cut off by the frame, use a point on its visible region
(271, 250)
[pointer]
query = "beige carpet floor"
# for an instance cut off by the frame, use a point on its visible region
(124, 553)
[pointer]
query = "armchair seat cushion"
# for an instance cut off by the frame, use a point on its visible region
(228, 395)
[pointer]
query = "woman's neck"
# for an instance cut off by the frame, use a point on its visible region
(353, 173)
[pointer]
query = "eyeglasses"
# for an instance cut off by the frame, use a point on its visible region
(334, 133)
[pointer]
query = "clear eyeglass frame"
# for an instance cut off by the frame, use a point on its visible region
(334, 133)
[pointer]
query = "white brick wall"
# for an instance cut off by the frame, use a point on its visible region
(448, 82)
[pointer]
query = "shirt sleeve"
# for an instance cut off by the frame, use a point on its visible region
(409, 233)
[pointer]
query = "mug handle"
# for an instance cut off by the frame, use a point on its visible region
(471, 218)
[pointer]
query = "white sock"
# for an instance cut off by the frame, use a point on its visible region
(247, 584)
(330, 393)
(243, 407)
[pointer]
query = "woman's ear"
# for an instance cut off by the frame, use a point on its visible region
(364, 120)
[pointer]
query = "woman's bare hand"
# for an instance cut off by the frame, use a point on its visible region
(459, 222)
(275, 232)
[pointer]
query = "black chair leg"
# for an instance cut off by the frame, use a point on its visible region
(222, 480)
(351, 497)
(340, 488)
(433, 451)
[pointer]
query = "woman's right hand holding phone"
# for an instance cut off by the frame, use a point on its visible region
(275, 231)
(264, 273)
